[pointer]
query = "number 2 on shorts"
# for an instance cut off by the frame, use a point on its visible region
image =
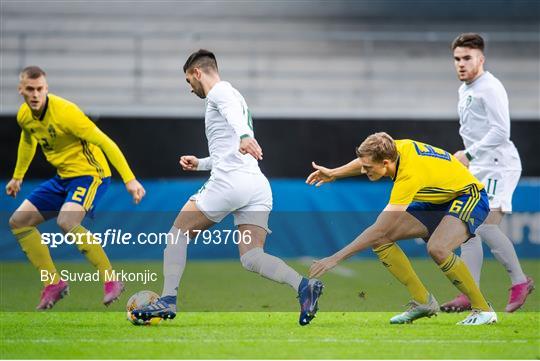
(78, 194)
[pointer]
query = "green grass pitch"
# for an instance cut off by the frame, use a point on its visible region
(228, 313)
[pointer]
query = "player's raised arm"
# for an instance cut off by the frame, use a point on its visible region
(25, 154)
(388, 218)
(85, 129)
(117, 159)
(323, 175)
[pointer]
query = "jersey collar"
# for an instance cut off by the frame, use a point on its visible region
(42, 116)
(397, 168)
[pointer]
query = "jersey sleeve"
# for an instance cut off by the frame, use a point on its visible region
(205, 164)
(404, 190)
(234, 110)
(85, 129)
(77, 122)
(25, 154)
(495, 102)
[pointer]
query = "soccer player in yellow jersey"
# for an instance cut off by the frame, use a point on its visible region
(434, 197)
(76, 147)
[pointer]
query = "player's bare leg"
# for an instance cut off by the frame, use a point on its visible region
(23, 224)
(254, 259)
(71, 214)
(69, 220)
(189, 221)
(423, 304)
(27, 215)
(449, 235)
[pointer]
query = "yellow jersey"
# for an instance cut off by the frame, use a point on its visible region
(71, 142)
(428, 174)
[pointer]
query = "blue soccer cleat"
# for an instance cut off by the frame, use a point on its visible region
(164, 308)
(309, 292)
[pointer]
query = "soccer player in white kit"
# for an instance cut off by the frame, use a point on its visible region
(236, 185)
(492, 157)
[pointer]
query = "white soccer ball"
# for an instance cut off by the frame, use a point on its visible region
(139, 300)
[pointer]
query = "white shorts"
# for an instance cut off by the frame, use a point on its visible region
(500, 185)
(247, 196)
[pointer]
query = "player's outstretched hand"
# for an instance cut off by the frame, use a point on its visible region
(189, 162)
(318, 268)
(320, 176)
(136, 190)
(249, 145)
(13, 187)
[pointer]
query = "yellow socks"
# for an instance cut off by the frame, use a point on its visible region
(457, 272)
(30, 240)
(393, 258)
(93, 252)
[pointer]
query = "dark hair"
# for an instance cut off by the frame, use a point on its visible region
(469, 40)
(32, 72)
(202, 58)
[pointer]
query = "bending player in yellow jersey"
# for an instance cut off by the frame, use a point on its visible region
(434, 197)
(75, 146)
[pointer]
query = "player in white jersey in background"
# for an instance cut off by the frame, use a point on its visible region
(492, 157)
(236, 185)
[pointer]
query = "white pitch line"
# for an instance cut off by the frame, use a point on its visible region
(219, 340)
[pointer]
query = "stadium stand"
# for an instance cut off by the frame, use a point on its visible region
(337, 60)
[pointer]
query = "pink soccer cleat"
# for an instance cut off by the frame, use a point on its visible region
(52, 294)
(112, 290)
(518, 295)
(459, 304)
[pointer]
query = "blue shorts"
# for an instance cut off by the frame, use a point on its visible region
(49, 196)
(471, 208)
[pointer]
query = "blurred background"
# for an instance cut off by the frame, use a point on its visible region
(319, 76)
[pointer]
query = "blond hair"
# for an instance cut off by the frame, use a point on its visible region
(378, 146)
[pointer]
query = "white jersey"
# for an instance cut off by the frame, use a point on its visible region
(227, 119)
(485, 124)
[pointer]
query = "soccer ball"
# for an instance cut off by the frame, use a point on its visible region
(139, 300)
